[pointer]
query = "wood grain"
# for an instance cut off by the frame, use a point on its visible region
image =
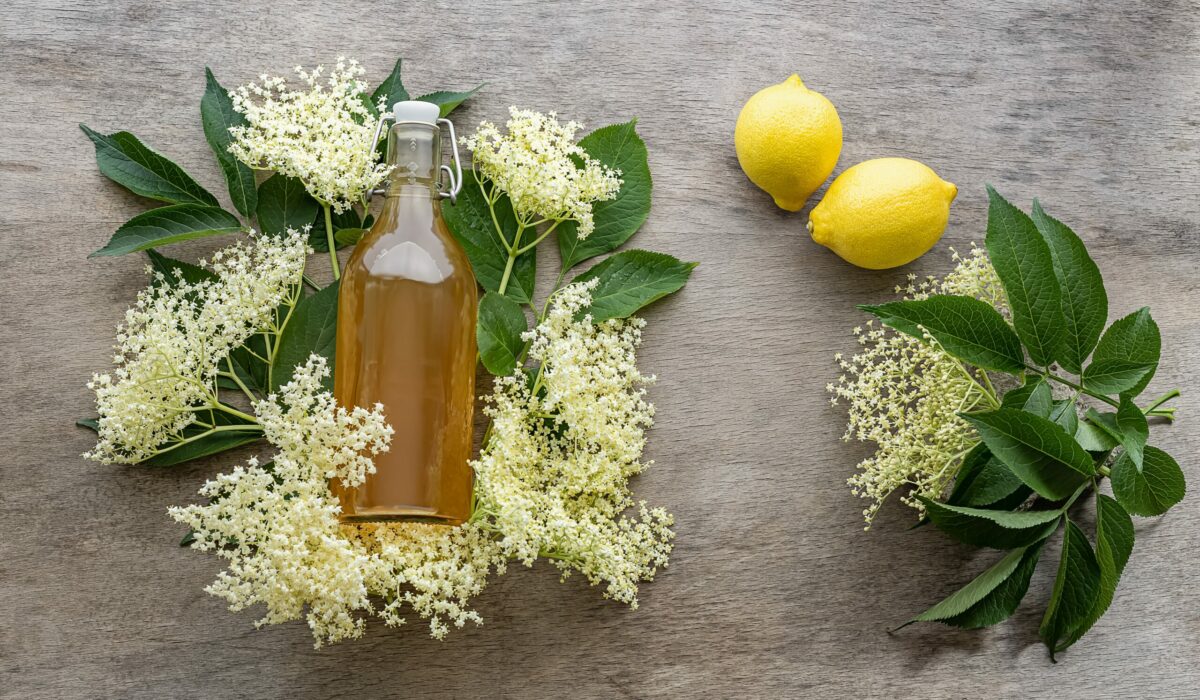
(774, 590)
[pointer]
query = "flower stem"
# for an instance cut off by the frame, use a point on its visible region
(540, 238)
(333, 259)
(512, 256)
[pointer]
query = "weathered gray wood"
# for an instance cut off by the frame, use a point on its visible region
(774, 590)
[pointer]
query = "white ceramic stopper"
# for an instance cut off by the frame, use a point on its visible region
(416, 111)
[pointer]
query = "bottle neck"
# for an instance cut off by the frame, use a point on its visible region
(414, 156)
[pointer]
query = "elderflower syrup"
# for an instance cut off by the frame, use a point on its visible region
(406, 338)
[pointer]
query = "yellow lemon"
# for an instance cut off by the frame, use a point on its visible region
(883, 213)
(788, 139)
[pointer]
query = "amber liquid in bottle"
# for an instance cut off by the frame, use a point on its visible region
(406, 339)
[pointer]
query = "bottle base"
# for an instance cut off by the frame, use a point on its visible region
(391, 515)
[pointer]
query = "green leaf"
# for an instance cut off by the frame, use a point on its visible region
(501, 323)
(312, 328)
(348, 236)
(392, 87)
(1099, 433)
(247, 366)
(470, 221)
(283, 203)
(998, 529)
(967, 328)
(1084, 300)
(218, 115)
(89, 423)
(189, 538)
(1076, 588)
(990, 597)
(1035, 449)
(631, 280)
(1134, 339)
(1114, 544)
(346, 221)
(966, 597)
(128, 162)
(448, 101)
(1026, 269)
(1131, 422)
(1154, 489)
(174, 269)
(1115, 376)
(1033, 396)
(619, 147)
(203, 447)
(1065, 415)
(994, 484)
(166, 225)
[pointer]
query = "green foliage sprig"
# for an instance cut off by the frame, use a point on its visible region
(1040, 457)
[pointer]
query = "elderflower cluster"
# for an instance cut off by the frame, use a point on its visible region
(277, 524)
(535, 164)
(904, 395)
(322, 135)
(172, 342)
(552, 480)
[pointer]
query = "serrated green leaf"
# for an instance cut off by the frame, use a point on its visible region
(283, 203)
(203, 442)
(619, 147)
(997, 529)
(1076, 588)
(1037, 450)
(470, 221)
(1131, 422)
(1115, 376)
(1026, 269)
(968, 470)
(631, 280)
(312, 328)
(348, 220)
(498, 333)
(1065, 415)
(967, 328)
(174, 269)
(1154, 489)
(1002, 602)
(1135, 340)
(167, 225)
(392, 87)
(1114, 544)
(218, 116)
(993, 485)
(1033, 396)
(974, 592)
(348, 236)
(449, 101)
(1093, 438)
(1084, 299)
(128, 162)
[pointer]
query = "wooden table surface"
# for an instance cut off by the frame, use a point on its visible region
(774, 590)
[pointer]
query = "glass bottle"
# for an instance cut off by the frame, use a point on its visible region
(406, 339)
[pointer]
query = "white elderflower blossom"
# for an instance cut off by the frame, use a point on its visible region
(277, 524)
(433, 569)
(322, 135)
(306, 424)
(541, 168)
(172, 342)
(905, 396)
(552, 480)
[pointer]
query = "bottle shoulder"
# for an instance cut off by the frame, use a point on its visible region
(408, 245)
